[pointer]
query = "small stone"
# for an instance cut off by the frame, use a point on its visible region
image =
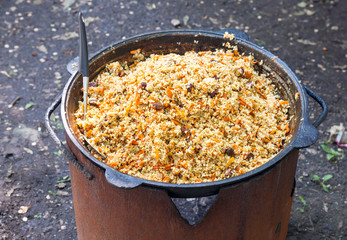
(34, 54)
(175, 22)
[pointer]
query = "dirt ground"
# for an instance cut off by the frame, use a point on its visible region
(38, 38)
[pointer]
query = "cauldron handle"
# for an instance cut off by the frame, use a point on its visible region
(321, 102)
(308, 134)
(121, 180)
(70, 156)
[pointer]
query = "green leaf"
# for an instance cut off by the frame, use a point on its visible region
(52, 193)
(58, 153)
(302, 200)
(300, 178)
(330, 156)
(38, 215)
(330, 150)
(336, 153)
(325, 188)
(59, 125)
(327, 149)
(327, 177)
(64, 179)
(315, 177)
(29, 105)
(259, 42)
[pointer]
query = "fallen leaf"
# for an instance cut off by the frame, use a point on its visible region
(214, 20)
(9, 192)
(342, 67)
(60, 185)
(29, 105)
(6, 74)
(150, 6)
(62, 193)
(68, 3)
(309, 12)
(321, 67)
(302, 4)
(23, 209)
(89, 20)
(306, 42)
(28, 150)
(37, 2)
(344, 44)
(57, 75)
(66, 36)
(299, 13)
(185, 19)
(43, 49)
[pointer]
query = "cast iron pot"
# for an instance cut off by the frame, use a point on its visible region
(179, 41)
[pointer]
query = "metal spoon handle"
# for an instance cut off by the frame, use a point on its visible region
(83, 62)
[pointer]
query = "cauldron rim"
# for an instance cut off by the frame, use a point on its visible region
(306, 134)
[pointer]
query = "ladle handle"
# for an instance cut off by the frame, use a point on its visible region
(70, 156)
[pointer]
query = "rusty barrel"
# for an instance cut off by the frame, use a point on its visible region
(258, 208)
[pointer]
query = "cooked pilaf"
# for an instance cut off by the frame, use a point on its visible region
(198, 117)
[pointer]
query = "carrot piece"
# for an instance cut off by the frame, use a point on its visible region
(176, 122)
(157, 156)
(169, 93)
(273, 131)
(183, 164)
(284, 102)
(89, 133)
(273, 58)
(166, 179)
(243, 102)
(248, 74)
(141, 136)
(230, 161)
(167, 167)
(260, 93)
(213, 177)
(137, 99)
(135, 51)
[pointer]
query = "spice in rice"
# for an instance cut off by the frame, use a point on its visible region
(198, 117)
